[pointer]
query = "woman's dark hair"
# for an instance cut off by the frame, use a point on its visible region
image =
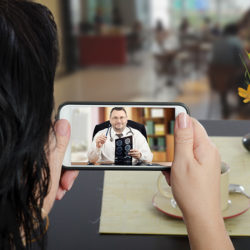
(28, 58)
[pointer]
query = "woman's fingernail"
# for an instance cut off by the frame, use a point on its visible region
(62, 127)
(182, 120)
(70, 186)
(61, 194)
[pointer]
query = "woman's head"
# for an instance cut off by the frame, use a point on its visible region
(28, 58)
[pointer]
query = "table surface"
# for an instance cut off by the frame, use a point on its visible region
(74, 221)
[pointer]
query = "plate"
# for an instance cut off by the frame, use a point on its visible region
(237, 205)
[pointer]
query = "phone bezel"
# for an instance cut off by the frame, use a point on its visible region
(120, 167)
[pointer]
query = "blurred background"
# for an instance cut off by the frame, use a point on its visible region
(190, 51)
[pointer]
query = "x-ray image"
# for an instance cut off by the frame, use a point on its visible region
(122, 148)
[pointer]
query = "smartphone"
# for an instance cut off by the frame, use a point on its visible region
(120, 136)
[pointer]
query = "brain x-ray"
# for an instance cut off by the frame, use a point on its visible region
(122, 148)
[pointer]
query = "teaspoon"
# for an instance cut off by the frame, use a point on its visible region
(235, 188)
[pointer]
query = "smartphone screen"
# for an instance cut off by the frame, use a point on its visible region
(120, 136)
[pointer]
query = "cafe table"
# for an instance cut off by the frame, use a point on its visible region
(74, 221)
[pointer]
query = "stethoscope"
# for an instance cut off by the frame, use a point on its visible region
(109, 131)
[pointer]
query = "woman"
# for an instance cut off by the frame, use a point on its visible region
(31, 147)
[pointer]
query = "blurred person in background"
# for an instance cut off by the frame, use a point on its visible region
(225, 67)
(206, 30)
(244, 30)
(85, 27)
(98, 20)
(216, 30)
(117, 20)
(160, 32)
(159, 26)
(186, 33)
(227, 49)
(135, 41)
(32, 147)
(184, 26)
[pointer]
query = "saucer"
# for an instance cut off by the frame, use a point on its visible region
(237, 205)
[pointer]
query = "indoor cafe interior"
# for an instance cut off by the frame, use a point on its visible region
(189, 51)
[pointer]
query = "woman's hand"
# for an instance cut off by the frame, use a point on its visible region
(195, 182)
(61, 180)
(195, 173)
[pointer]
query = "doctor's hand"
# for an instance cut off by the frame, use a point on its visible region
(100, 140)
(135, 153)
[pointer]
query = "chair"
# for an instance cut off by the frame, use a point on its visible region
(165, 65)
(130, 123)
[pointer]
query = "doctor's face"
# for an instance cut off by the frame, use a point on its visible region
(118, 120)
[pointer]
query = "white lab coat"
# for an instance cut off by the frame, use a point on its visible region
(107, 151)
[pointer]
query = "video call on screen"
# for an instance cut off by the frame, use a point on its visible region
(127, 136)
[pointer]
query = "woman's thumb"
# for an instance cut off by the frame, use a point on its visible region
(183, 135)
(62, 129)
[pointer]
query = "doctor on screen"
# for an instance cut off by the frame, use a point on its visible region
(103, 145)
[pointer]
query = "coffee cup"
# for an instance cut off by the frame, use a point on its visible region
(166, 191)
